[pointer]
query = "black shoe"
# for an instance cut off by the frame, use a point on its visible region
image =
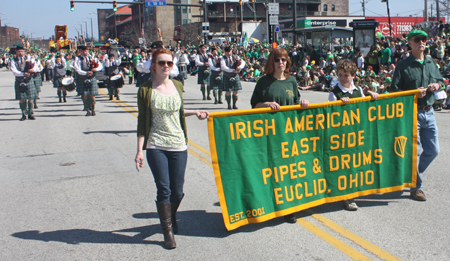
(88, 113)
(65, 100)
(208, 98)
(235, 107)
(290, 218)
(31, 117)
(24, 117)
(110, 98)
(215, 102)
(117, 98)
(229, 107)
(36, 107)
(93, 113)
(220, 102)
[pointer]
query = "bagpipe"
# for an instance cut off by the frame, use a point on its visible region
(88, 81)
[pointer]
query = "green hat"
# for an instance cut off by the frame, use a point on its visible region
(308, 67)
(388, 80)
(414, 33)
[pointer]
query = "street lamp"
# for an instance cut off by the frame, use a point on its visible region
(32, 35)
(92, 30)
(81, 27)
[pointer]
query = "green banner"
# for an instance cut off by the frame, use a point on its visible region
(269, 164)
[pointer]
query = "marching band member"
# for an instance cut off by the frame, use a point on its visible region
(37, 78)
(231, 65)
(201, 61)
(143, 75)
(24, 85)
(86, 68)
(59, 71)
(216, 75)
(112, 69)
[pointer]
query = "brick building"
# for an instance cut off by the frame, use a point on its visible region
(9, 36)
(103, 26)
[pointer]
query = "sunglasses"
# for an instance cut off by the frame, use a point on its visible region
(277, 60)
(420, 39)
(163, 63)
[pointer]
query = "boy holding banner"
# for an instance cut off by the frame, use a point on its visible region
(344, 91)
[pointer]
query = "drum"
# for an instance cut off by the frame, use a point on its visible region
(68, 83)
(117, 81)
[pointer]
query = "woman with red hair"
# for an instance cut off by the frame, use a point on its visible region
(162, 133)
(277, 88)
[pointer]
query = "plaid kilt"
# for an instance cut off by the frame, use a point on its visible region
(142, 78)
(212, 80)
(38, 81)
(57, 82)
(226, 83)
(37, 84)
(87, 91)
(30, 93)
(201, 79)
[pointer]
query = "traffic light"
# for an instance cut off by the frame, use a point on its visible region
(383, 1)
(72, 5)
(115, 5)
(240, 2)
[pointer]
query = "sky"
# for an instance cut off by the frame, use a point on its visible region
(39, 17)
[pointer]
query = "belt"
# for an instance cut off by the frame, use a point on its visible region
(424, 108)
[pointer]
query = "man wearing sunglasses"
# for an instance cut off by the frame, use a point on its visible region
(419, 71)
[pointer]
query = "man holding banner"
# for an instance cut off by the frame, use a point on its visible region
(420, 72)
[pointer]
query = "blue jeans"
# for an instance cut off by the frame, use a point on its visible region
(427, 142)
(168, 168)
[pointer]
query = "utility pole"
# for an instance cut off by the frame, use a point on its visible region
(364, 7)
(426, 11)
(294, 36)
(437, 10)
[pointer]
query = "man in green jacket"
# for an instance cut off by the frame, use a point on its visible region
(420, 72)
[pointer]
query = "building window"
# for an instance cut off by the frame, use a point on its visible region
(178, 9)
(289, 7)
(184, 10)
(333, 8)
(184, 21)
(189, 9)
(325, 7)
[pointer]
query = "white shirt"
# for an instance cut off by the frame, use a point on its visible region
(332, 97)
(197, 59)
(18, 73)
(225, 68)
(77, 66)
(211, 64)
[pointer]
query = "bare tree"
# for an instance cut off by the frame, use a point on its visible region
(132, 33)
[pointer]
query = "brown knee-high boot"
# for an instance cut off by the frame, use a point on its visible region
(174, 207)
(164, 212)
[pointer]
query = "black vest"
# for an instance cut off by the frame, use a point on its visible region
(339, 94)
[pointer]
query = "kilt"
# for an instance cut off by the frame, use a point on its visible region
(87, 91)
(183, 70)
(212, 80)
(142, 78)
(226, 83)
(57, 82)
(38, 82)
(110, 84)
(201, 79)
(30, 93)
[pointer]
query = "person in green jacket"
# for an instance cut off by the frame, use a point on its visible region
(162, 133)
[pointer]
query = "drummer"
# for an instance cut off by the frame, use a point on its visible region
(112, 69)
(59, 71)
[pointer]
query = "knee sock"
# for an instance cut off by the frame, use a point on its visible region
(23, 107)
(228, 98)
(215, 94)
(220, 95)
(30, 108)
(235, 97)
(202, 88)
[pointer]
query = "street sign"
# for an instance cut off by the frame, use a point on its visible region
(277, 28)
(205, 27)
(274, 8)
(273, 20)
(155, 2)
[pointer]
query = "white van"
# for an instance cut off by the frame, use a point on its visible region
(222, 42)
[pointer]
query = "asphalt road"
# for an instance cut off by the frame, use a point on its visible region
(70, 191)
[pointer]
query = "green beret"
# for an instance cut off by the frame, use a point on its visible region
(414, 33)
(308, 67)
(388, 80)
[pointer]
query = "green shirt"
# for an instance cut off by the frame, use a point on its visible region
(135, 60)
(386, 56)
(410, 74)
(269, 89)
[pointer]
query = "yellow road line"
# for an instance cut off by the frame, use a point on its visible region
(346, 249)
(351, 236)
